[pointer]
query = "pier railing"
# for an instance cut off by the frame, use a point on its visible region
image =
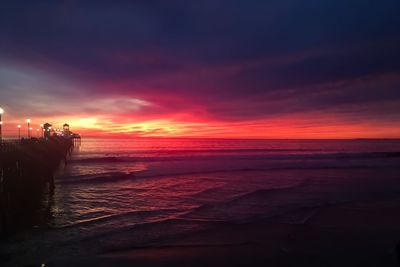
(9, 145)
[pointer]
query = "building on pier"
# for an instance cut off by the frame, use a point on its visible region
(47, 130)
(66, 132)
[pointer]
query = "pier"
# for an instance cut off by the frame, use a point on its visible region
(27, 168)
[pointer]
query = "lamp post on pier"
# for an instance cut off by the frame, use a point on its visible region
(1, 124)
(19, 131)
(29, 127)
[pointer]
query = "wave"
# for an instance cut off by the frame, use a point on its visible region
(96, 178)
(226, 150)
(218, 211)
(151, 227)
(267, 191)
(338, 155)
(129, 229)
(125, 215)
(120, 176)
(206, 191)
(165, 228)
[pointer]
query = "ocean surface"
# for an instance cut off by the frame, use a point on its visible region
(116, 194)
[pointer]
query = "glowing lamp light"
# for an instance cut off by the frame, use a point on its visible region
(1, 123)
(37, 130)
(19, 126)
(1, 111)
(28, 120)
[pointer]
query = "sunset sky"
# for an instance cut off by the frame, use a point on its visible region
(261, 69)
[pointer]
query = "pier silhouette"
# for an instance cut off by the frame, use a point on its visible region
(27, 168)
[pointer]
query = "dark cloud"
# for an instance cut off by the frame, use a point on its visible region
(231, 60)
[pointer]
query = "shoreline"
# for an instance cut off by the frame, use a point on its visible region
(353, 234)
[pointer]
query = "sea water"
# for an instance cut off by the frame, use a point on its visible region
(116, 194)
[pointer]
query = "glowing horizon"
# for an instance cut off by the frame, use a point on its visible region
(283, 127)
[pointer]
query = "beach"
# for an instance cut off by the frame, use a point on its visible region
(357, 234)
(219, 203)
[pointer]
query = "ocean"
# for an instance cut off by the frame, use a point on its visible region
(118, 194)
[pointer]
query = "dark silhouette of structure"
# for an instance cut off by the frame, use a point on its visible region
(27, 168)
(47, 130)
(66, 131)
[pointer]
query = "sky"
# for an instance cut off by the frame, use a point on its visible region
(210, 68)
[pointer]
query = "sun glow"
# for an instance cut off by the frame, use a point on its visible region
(87, 123)
(300, 126)
(150, 128)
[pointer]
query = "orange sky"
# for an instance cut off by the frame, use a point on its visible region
(314, 125)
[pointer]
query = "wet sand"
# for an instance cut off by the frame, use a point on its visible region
(353, 234)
